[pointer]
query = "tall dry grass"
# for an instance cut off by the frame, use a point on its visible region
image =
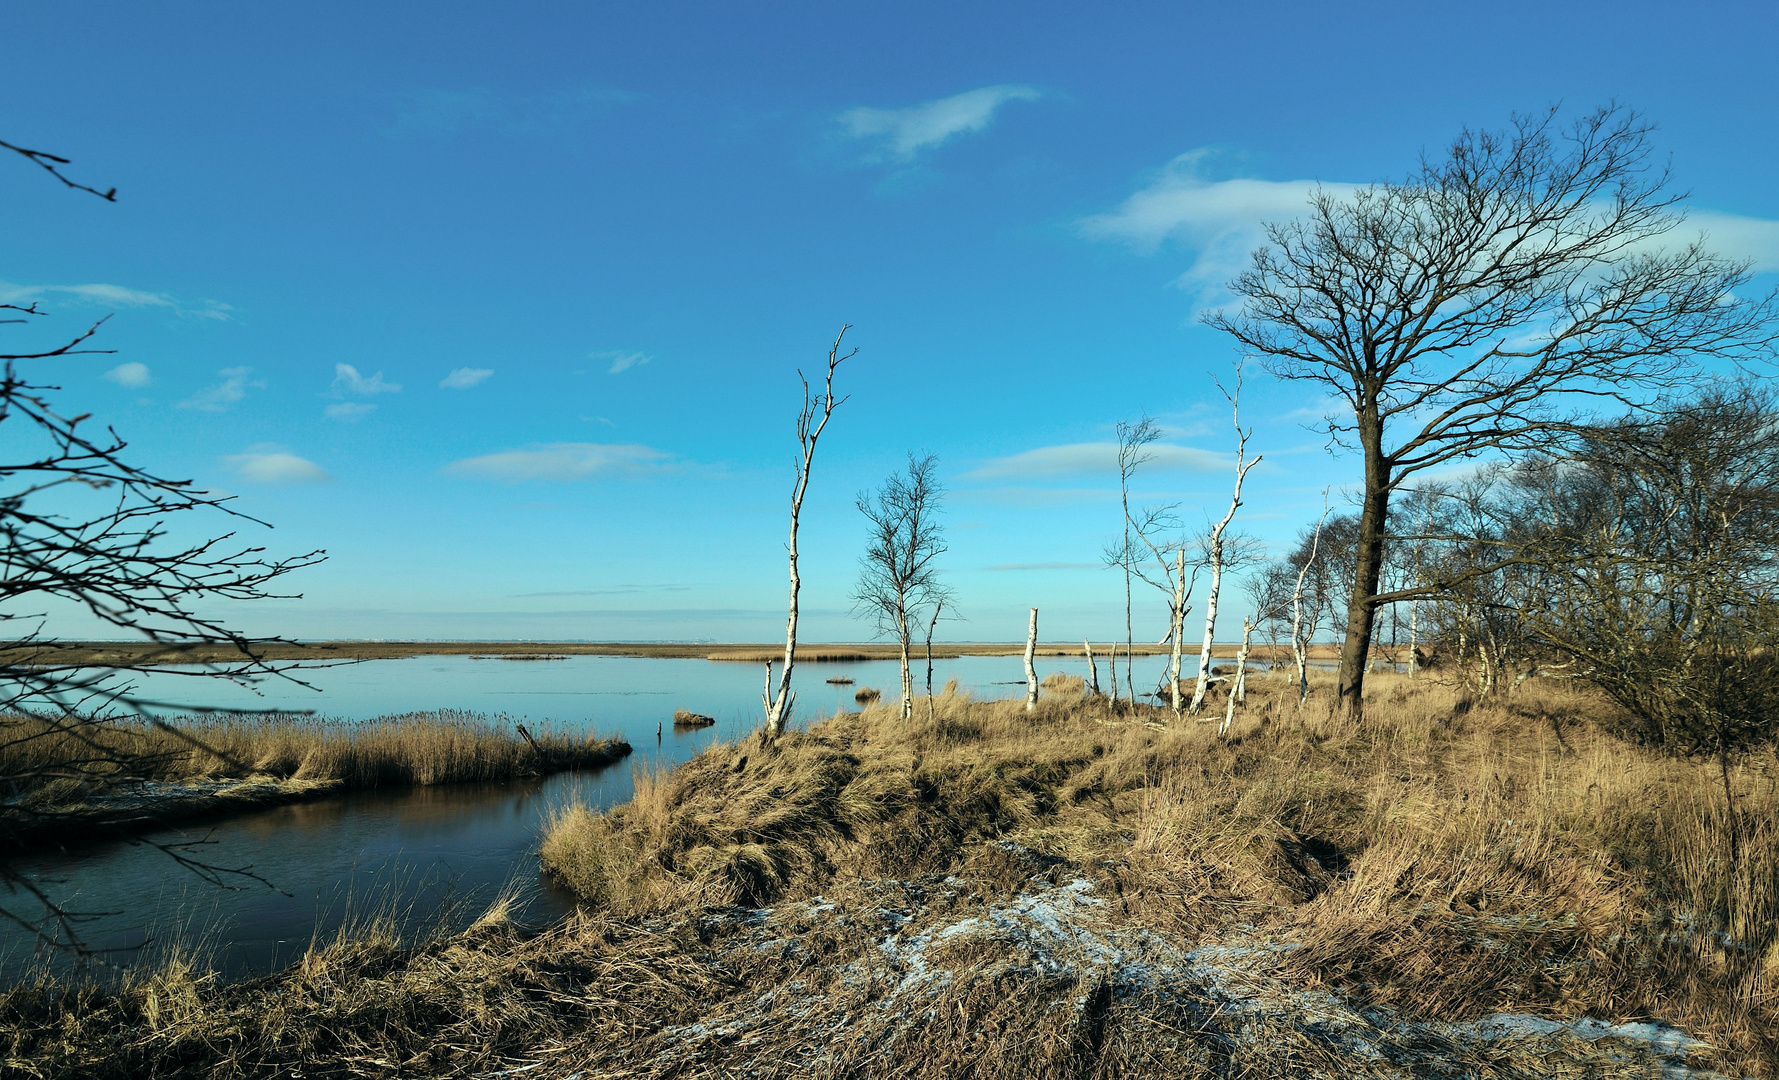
(63, 783)
(413, 749)
(1451, 859)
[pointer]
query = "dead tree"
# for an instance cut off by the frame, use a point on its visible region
(938, 605)
(898, 575)
(82, 528)
(1093, 668)
(809, 430)
(1469, 308)
(1300, 638)
(1133, 452)
(1238, 687)
(1031, 671)
(1215, 552)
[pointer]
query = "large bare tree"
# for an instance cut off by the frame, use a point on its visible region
(899, 575)
(1477, 306)
(812, 420)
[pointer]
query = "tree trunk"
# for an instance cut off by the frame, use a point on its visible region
(1414, 637)
(1031, 673)
(1093, 668)
(1179, 629)
(934, 621)
(1238, 687)
(1114, 671)
(1204, 652)
(907, 672)
(1368, 566)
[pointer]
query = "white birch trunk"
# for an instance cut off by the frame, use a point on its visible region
(907, 672)
(1238, 690)
(778, 705)
(1031, 672)
(1414, 626)
(1093, 668)
(1242, 465)
(934, 621)
(1178, 630)
(1114, 673)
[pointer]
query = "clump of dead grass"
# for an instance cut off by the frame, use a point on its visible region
(61, 777)
(1452, 859)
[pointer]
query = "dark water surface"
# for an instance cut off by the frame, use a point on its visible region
(439, 853)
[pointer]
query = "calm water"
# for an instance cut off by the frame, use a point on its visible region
(431, 853)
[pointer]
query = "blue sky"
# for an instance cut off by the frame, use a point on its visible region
(502, 305)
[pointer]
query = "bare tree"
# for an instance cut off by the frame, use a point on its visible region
(1133, 452)
(1031, 671)
(809, 430)
(1471, 306)
(1215, 551)
(83, 529)
(898, 575)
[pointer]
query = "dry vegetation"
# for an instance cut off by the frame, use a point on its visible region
(999, 894)
(127, 775)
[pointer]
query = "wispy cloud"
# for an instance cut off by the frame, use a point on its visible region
(901, 134)
(349, 410)
(235, 383)
(437, 111)
(1753, 239)
(268, 463)
(1075, 460)
(564, 461)
(347, 380)
(465, 377)
(113, 296)
(621, 361)
(1219, 221)
(132, 374)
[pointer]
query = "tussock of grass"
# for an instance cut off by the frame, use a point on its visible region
(877, 897)
(62, 777)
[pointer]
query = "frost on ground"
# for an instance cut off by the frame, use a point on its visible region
(1046, 983)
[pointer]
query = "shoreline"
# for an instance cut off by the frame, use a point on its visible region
(149, 654)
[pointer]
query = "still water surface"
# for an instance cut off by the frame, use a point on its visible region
(439, 853)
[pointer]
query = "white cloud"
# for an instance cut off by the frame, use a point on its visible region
(621, 361)
(1219, 220)
(268, 463)
(131, 374)
(233, 387)
(465, 377)
(900, 134)
(1092, 459)
(347, 380)
(563, 461)
(116, 296)
(1735, 236)
(349, 410)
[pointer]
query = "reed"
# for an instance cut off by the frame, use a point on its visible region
(130, 775)
(846, 902)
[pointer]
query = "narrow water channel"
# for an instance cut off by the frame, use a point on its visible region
(426, 854)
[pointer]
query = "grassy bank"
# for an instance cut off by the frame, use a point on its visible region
(1066, 893)
(70, 783)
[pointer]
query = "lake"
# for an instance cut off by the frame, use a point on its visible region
(440, 853)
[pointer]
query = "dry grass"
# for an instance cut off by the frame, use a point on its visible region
(62, 777)
(981, 894)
